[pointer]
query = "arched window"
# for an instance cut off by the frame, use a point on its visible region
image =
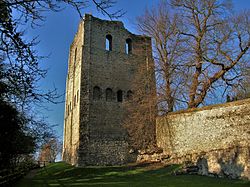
(108, 42)
(119, 96)
(109, 94)
(128, 46)
(129, 95)
(96, 93)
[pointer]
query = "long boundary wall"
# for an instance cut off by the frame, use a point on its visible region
(217, 136)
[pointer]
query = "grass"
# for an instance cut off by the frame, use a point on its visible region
(61, 174)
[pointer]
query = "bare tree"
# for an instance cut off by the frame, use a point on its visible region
(50, 150)
(141, 109)
(162, 25)
(218, 43)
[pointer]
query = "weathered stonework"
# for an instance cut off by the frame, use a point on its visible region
(217, 138)
(99, 81)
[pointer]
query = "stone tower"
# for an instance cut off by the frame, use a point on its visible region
(102, 64)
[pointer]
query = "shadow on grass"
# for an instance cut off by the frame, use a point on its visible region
(61, 174)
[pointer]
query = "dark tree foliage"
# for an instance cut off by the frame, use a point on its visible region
(13, 137)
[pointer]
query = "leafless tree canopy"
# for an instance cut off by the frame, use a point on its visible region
(201, 50)
(219, 43)
(162, 25)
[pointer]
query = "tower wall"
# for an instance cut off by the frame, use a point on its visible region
(96, 131)
(72, 99)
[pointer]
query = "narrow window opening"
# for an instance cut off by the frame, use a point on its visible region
(96, 93)
(119, 96)
(77, 96)
(75, 100)
(109, 42)
(128, 46)
(75, 55)
(109, 94)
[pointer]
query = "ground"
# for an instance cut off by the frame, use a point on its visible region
(61, 174)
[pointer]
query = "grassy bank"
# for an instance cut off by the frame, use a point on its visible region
(61, 174)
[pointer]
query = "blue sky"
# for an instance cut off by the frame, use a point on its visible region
(56, 35)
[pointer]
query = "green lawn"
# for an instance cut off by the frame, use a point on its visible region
(61, 174)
